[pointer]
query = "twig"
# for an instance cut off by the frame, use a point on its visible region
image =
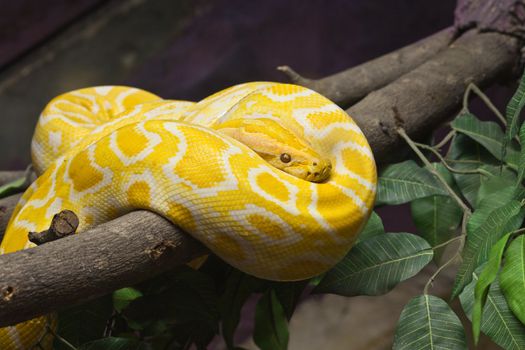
(64, 341)
(446, 242)
(436, 173)
(444, 162)
(447, 138)
(63, 224)
(473, 88)
(466, 210)
(447, 263)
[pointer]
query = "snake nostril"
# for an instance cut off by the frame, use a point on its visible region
(316, 174)
(314, 164)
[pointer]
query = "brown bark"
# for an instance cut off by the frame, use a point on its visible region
(76, 268)
(63, 224)
(427, 96)
(353, 84)
(7, 205)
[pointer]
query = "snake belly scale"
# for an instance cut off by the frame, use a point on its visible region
(105, 151)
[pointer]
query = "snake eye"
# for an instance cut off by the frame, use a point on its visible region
(286, 158)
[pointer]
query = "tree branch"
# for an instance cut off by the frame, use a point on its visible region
(141, 244)
(7, 205)
(353, 84)
(77, 268)
(424, 98)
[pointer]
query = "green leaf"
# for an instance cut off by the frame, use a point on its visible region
(271, 326)
(289, 294)
(437, 217)
(122, 297)
(490, 203)
(486, 277)
(12, 187)
(498, 322)
(427, 322)
(471, 153)
(467, 154)
(373, 227)
(184, 296)
(114, 343)
(375, 266)
(488, 134)
(512, 277)
(239, 287)
(493, 185)
(514, 108)
(481, 238)
(403, 182)
(84, 323)
(521, 165)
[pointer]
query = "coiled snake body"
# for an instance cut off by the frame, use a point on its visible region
(105, 151)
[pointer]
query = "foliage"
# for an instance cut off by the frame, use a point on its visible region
(467, 204)
(427, 322)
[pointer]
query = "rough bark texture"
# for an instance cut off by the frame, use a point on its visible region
(7, 205)
(76, 268)
(63, 224)
(502, 16)
(8, 176)
(353, 84)
(424, 98)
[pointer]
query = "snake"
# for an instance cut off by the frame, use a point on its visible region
(275, 179)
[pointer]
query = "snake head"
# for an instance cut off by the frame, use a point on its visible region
(280, 147)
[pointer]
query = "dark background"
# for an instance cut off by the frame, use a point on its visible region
(185, 49)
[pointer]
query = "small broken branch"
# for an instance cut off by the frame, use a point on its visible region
(63, 224)
(81, 267)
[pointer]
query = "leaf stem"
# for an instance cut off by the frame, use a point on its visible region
(427, 163)
(459, 249)
(65, 342)
(445, 164)
(445, 139)
(473, 88)
(447, 263)
(446, 243)
(466, 209)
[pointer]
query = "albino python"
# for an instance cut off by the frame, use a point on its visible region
(273, 178)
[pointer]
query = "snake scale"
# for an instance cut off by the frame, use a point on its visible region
(273, 178)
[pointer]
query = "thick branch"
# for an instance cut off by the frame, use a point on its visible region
(424, 98)
(76, 268)
(353, 84)
(8, 176)
(7, 205)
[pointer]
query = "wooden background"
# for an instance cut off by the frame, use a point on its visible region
(188, 49)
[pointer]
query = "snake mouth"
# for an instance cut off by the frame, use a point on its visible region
(319, 172)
